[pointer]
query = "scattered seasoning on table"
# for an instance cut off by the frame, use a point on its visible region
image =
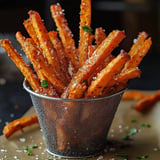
(124, 156)
(34, 146)
(83, 158)
(29, 152)
(29, 149)
(145, 125)
(142, 157)
(100, 157)
(25, 147)
(22, 139)
(132, 132)
(133, 121)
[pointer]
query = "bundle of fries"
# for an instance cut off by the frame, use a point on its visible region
(90, 70)
(60, 69)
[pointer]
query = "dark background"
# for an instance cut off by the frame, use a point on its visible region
(133, 16)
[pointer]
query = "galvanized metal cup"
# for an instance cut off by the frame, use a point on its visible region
(75, 128)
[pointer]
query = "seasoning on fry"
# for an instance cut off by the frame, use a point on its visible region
(44, 84)
(86, 29)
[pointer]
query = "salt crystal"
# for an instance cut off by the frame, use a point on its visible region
(15, 157)
(22, 139)
(2, 81)
(120, 126)
(100, 157)
(155, 149)
(12, 115)
(18, 151)
(135, 40)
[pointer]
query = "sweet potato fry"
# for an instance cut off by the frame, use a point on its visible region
(120, 81)
(50, 91)
(29, 27)
(23, 67)
(39, 61)
(21, 39)
(60, 53)
(123, 77)
(105, 76)
(138, 56)
(91, 39)
(19, 124)
(129, 74)
(45, 43)
(147, 102)
(65, 35)
(91, 49)
(43, 37)
(104, 50)
(85, 21)
(135, 95)
(99, 36)
(118, 87)
(137, 43)
(99, 68)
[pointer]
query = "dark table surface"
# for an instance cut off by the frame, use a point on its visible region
(14, 102)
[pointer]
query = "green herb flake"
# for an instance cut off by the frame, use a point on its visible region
(25, 148)
(29, 152)
(124, 156)
(126, 137)
(86, 29)
(83, 158)
(29, 149)
(142, 157)
(34, 146)
(145, 125)
(132, 132)
(133, 121)
(84, 81)
(44, 84)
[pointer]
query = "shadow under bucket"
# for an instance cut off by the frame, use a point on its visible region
(75, 128)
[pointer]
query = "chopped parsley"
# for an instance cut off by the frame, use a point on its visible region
(132, 132)
(124, 156)
(145, 125)
(34, 146)
(142, 157)
(29, 152)
(83, 158)
(29, 149)
(84, 81)
(44, 84)
(86, 29)
(133, 121)
(25, 147)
